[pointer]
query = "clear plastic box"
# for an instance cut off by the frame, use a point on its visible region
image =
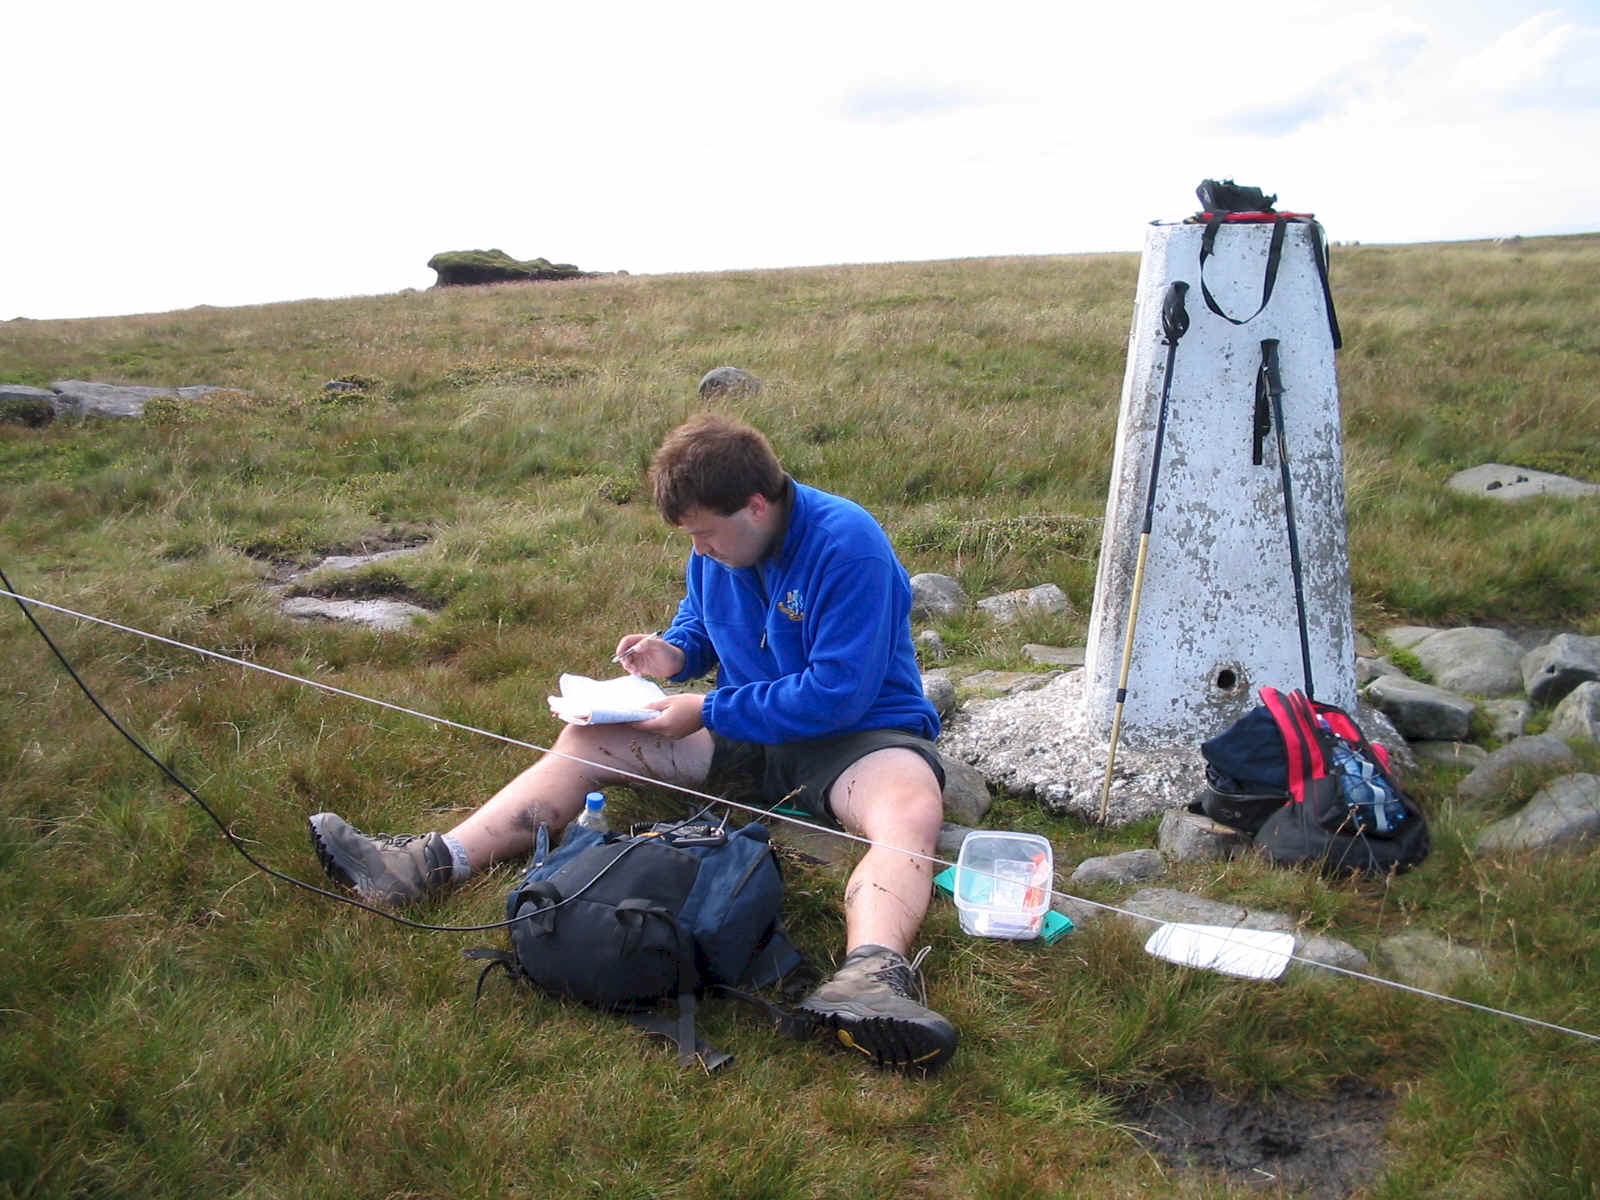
(1002, 886)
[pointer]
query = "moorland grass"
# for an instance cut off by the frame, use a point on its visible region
(174, 1023)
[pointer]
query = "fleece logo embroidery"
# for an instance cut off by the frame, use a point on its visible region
(793, 606)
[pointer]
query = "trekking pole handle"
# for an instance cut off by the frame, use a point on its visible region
(1174, 316)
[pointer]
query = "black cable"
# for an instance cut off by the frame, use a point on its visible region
(233, 839)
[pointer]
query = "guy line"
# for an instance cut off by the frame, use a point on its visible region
(755, 809)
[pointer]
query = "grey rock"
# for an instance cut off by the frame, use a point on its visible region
(1368, 669)
(1495, 774)
(1472, 661)
(1420, 710)
(951, 836)
(16, 391)
(1169, 904)
(1554, 669)
(934, 596)
(941, 693)
(722, 382)
(1053, 656)
(1006, 683)
(1565, 812)
(1135, 866)
(1166, 904)
(819, 845)
(1079, 911)
(467, 268)
(1404, 637)
(1509, 718)
(930, 646)
(1501, 481)
(1190, 837)
(354, 562)
(1578, 715)
(1426, 960)
(1450, 754)
(80, 398)
(1329, 951)
(386, 615)
(1012, 606)
(1380, 731)
(966, 794)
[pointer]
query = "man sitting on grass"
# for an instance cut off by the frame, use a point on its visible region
(796, 596)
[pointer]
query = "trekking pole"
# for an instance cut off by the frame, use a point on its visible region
(1271, 380)
(1174, 324)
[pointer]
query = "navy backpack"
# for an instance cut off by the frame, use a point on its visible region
(622, 922)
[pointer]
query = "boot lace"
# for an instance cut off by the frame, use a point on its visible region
(901, 977)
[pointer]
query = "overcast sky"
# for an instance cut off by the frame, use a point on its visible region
(163, 155)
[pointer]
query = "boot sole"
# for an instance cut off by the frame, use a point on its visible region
(901, 1043)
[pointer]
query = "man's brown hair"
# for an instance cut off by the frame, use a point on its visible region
(715, 463)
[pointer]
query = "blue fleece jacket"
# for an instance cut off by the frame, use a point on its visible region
(812, 642)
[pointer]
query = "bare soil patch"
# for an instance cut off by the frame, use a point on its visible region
(1324, 1147)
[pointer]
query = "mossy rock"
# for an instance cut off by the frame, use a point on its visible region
(26, 410)
(459, 268)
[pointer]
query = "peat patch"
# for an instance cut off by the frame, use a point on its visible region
(1324, 1147)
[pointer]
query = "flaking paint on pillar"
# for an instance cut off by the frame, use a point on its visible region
(1217, 618)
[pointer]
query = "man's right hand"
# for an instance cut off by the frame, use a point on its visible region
(647, 654)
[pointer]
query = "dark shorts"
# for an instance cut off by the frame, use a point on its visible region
(799, 774)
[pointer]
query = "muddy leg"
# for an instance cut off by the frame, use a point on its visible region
(551, 791)
(892, 797)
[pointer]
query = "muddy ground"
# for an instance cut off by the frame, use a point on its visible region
(1326, 1147)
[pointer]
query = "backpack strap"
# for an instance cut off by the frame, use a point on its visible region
(1320, 254)
(1306, 718)
(1302, 750)
(1274, 255)
(774, 961)
(497, 958)
(1344, 726)
(1324, 259)
(659, 1023)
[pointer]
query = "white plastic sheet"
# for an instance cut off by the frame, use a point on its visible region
(1250, 953)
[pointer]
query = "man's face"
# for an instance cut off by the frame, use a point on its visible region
(736, 540)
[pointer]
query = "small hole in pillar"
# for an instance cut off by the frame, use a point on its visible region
(1227, 680)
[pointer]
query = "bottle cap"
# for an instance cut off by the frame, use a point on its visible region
(594, 800)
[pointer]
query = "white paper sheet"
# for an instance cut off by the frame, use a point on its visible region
(585, 701)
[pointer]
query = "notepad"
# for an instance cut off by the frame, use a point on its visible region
(585, 701)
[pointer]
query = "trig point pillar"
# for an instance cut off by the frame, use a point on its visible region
(1218, 616)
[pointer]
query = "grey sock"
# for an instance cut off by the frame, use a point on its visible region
(460, 864)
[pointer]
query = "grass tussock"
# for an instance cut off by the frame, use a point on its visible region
(172, 1022)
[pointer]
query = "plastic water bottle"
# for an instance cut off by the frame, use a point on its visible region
(593, 815)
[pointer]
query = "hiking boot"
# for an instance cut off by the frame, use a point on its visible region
(874, 1005)
(380, 868)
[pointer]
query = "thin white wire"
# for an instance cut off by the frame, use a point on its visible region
(1204, 931)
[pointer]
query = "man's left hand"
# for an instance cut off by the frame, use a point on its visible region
(680, 715)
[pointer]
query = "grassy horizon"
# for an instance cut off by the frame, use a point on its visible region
(174, 1023)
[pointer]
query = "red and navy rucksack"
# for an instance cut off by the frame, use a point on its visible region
(1304, 780)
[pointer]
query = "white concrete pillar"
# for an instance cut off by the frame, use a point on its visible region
(1217, 617)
